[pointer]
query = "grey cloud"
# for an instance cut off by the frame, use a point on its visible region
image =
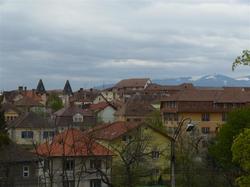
(83, 40)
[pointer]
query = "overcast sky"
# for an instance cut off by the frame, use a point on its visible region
(91, 42)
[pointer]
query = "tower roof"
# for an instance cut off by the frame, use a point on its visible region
(67, 88)
(40, 87)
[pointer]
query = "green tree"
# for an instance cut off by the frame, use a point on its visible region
(220, 150)
(54, 102)
(194, 168)
(241, 155)
(244, 59)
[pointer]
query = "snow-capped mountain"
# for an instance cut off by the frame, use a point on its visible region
(208, 80)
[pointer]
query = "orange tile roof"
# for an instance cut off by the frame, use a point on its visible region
(72, 142)
(32, 94)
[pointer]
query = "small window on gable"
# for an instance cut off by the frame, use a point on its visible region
(77, 118)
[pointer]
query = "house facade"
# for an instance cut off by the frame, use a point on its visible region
(10, 111)
(30, 128)
(104, 111)
(207, 108)
(115, 135)
(135, 109)
(18, 167)
(73, 117)
(72, 158)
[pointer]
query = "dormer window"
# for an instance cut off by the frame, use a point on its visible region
(77, 118)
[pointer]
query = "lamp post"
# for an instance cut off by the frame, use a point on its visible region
(189, 128)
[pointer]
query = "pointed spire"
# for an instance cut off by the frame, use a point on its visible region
(40, 87)
(67, 89)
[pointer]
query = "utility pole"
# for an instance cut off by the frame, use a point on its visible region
(190, 127)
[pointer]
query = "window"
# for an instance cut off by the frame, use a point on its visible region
(155, 154)
(171, 104)
(95, 164)
(95, 183)
(224, 116)
(205, 130)
(27, 134)
(69, 165)
(170, 117)
(68, 183)
(26, 171)
(205, 117)
(48, 134)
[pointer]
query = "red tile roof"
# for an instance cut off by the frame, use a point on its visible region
(218, 96)
(117, 129)
(72, 142)
(27, 101)
(32, 94)
(98, 106)
(113, 130)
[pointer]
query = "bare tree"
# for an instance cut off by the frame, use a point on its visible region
(133, 158)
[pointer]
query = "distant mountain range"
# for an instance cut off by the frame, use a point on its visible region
(207, 80)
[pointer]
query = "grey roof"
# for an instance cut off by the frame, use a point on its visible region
(15, 153)
(31, 120)
(67, 89)
(40, 87)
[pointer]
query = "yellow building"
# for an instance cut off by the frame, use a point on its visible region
(29, 129)
(10, 112)
(118, 135)
(207, 108)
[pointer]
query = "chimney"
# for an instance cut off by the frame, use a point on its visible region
(20, 88)
(33, 92)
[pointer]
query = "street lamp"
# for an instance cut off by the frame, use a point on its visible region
(177, 132)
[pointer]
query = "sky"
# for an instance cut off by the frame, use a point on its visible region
(95, 42)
